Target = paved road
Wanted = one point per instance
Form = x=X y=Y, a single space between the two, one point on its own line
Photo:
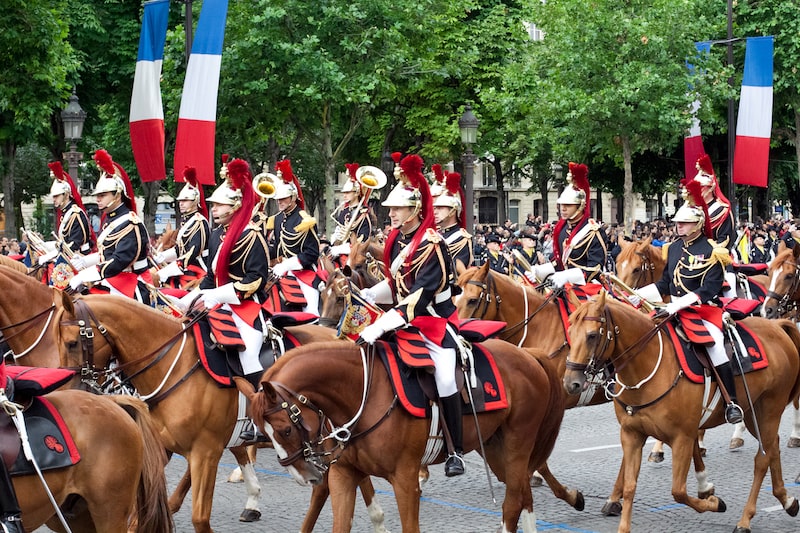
x=587 y=456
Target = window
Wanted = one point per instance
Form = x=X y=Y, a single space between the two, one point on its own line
x=487 y=210
x=488 y=178
x=513 y=211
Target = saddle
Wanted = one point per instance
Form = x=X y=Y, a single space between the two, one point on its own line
x=49 y=437
x=409 y=367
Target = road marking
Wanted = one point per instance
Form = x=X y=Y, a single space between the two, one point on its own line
x=606 y=447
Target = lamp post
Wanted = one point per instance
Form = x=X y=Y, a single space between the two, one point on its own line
x=73 y=117
x=468 y=124
x=558 y=175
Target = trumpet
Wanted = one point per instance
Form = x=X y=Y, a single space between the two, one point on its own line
x=372 y=179
x=520 y=259
x=264 y=185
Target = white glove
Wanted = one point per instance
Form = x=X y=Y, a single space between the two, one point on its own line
x=649 y=293
x=225 y=294
x=167 y=256
x=87 y=275
x=570 y=275
x=84 y=261
x=340 y=249
x=49 y=256
x=542 y=272
x=380 y=293
x=681 y=303
x=169 y=271
x=531 y=276
x=388 y=321
x=187 y=299
x=287 y=265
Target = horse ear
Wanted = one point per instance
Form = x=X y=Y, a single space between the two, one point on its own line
x=602 y=298
x=269 y=392
x=66 y=303
x=484 y=269
x=796 y=250
x=647 y=242
x=460 y=267
x=572 y=298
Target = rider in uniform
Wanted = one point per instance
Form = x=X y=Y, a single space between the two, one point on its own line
x=493 y=255
x=74 y=232
x=188 y=259
x=10 y=513
x=420 y=278
x=294 y=241
x=528 y=255
x=120 y=265
x=693 y=279
x=239 y=267
x=352 y=216
x=448 y=212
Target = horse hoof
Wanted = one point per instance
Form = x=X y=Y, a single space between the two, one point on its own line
x=655 y=457
x=580 y=502
x=794 y=442
x=797 y=479
x=250 y=515
x=721 y=507
x=703 y=452
x=736 y=443
x=738 y=529
x=793 y=508
x=611 y=509
x=536 y=480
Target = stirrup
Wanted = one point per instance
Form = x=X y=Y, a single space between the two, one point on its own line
x=455 y=465
x=11 y=524
x=733 y=413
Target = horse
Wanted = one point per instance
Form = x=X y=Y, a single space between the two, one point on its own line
x=640 y=263
x=119 y=478
x=369 y=436
x=195 y=416
x=664 y=404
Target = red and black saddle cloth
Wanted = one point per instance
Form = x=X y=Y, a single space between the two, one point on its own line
x=409 y=366
x=50 y=439
x=755 y=357
x=285 y=295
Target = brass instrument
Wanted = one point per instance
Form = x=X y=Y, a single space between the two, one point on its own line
x=647 y=306
x=520 y=259
x=371 y=178
x=264 y=185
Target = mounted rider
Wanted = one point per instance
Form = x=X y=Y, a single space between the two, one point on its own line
x=526 y=256
x=239 y=267
x=693 y=279
x=448 y=212
x=352 y=216
x=188 y=259
x=10 y=513
x=494 y=254
x=294 y=242
x=121 y=263
x=420 y=278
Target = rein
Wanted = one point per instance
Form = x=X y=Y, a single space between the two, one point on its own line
x=647 y=274
x=29 y=323
x=784 y=300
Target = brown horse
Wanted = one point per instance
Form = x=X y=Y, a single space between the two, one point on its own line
x=119 y=477
x=783 y=286
x=174 y=391
x=362 y=429
x=654 y=398
x=640 y=263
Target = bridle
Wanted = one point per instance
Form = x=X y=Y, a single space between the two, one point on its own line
x=647 y=272
x=784 y=300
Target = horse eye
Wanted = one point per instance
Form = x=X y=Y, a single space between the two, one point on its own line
x=472 y=301
x=789 y=277
x=287 y=432
x=591 y=336
x=71 y=345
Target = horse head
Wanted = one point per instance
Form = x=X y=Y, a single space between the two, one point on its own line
x=334 y=297
x=366 y=260
x=640 y=263
x=784 y=283
x=474 y=300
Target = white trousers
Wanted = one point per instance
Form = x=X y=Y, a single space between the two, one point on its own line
x=716 y=352
x=444 y=360
x=253 y=339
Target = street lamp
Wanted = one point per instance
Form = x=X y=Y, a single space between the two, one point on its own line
x=558 y=174
x=73 y=118
x=468 y=124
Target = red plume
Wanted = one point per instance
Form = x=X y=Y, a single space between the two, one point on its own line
x=396 y=157
x=704 y=164
x=225 y=158
x=56 y=169
x=240 y=178
x=190 y=177
x=580 y=178
x=454 y=187
x=239 y=173
x=437 y=173
x=104 y=161
x=412 y=167
x=695 y=190
x=351 y=169
x=285 y=168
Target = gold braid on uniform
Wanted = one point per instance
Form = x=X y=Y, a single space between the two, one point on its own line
x=697 y=269
x=239 y=254
x=583 y=246
x=720 y=253
x=293 y=239
x=422 y=255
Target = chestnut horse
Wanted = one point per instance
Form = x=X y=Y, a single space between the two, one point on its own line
x=640 y=263
x=120 y=475
x=664 y=404
x=360 y=427
x=163 y=365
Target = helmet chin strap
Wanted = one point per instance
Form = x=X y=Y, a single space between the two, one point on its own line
x=414 y=214
x=577 y=216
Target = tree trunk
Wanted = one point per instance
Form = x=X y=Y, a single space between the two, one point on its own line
x=151 y=189
x=544 y=183
x=330 y=174
x=9 y=151
x=794 y=192
x=628 y=187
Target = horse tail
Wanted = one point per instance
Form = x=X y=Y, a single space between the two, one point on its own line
x=152 y=509
x=791 y=329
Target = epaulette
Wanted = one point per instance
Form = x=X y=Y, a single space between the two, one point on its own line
x=307 y=223
x=134 y=218
x=595 y=225
x=465 y=233
x=270 y=225
x=720 y=254
x=665 y=250
x=432 y=235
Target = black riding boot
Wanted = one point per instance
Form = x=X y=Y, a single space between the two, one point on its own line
x=733 y=413
x=10 y=521
x=451 y=412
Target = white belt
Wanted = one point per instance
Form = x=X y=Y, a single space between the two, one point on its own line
x=85 y=247
x=142 y=263
x=443 y=296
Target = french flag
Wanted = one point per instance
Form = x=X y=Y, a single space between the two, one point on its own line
x=693 y=142
x=194 y=144
x=754 y=125
x=147 y=111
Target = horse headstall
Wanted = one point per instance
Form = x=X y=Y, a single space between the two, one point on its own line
x=598 y=361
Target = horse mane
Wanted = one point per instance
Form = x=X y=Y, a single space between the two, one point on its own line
x=317 y=347
x=631 y=315
x=13 y=264
x=786 y=255
x=167 y=240
x=141 y=308
x=627 y=252
x=20 y=273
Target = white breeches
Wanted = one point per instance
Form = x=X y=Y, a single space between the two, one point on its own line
x=253 y=339
x=444 y=373
x=716 y=352
x=312 y=297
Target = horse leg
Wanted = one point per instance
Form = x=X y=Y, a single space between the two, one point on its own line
x=657 y=453
x=632 y=444
x=683 y=448
x=203 y=474
x=705 y=488
x=180 y=492
x=343 y=481
x=737 y=439
x=405 y=482
x=701 y=434
x=794 y=438
x=251 y=512
x=236 y=475
x=613 y=507
x=319 y=495
x=572 y=497
x=373 y=507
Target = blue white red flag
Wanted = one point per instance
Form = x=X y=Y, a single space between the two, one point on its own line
x=147 y=110
x=194 y=144
x=754 y=124
x=693 y=142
